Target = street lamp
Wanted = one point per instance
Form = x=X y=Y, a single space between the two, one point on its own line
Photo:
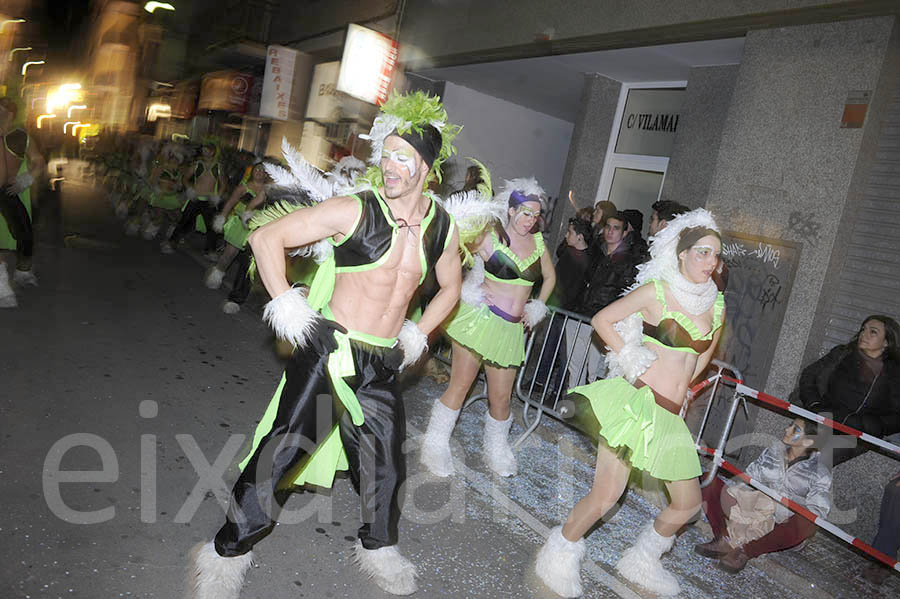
x=71 y=108
x=151 y=6
x=44 y=116
x=29 y=63
x=67 y=123
x=14 y=50
x=3 y=24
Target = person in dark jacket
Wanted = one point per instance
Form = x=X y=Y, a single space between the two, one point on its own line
x=572 y=263
x=858 y=384
x=639 y=246
x=613 y=269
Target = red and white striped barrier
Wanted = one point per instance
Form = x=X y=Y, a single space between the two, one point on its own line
x=743 y=389
x=799 y=509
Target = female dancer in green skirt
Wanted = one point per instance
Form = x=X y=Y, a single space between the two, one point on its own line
x=488 y=327
x=662 y=336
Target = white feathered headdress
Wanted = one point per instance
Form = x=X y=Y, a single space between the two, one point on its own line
x=527 y=186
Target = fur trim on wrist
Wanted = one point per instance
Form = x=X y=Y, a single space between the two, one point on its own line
x=291 y=317
x=219 y=223
x=535 y=311
x=190 y=193
x=413 y=342
x=23 y=182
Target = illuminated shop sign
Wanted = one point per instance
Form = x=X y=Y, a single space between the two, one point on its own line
x=367 y=65
x=278 y=83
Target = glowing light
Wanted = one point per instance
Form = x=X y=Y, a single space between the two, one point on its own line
x=14 y=50
x=67 y=123
x=177 y=136
x=74 y=107
x=77 y=127
x=65 y=95
x=41 y=118
x=3 y=24
x=29 y=63
x=151 y=6
x=155 y=111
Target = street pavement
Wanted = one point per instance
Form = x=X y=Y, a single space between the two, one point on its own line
x=128 y=400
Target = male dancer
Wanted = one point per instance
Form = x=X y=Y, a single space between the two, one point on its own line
x=204 y=182
x=19 y=164
x=338 y=401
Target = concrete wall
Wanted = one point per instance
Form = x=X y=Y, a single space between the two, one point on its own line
x=693 y=161
x=444 y=32
x=510 y=140
x=590 y=140
x=783 y=152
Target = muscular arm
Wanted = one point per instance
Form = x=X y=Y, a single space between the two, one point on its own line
x=448 y=271
x=549 y=275
x=36 y=163
x=641 y=299
x=301 y=227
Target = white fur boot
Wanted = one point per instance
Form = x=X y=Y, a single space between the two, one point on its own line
x=211 y=576
x=559 y=564
x=435 y=454
x=497 y=454
x=214 y=276
x=392 y=572
x=25 y=277
x=640 y=563
x=150 y=231
x=7 y=295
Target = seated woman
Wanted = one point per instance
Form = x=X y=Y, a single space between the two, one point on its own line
x=790 y=466
x=489 y=329
x=662 y=336
x=857 y=384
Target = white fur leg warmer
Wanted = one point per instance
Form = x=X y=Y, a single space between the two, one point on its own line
x=211 y=576
x=640 y=563
x=7 y=295
x=291 y=317
x=392 y=572
x=498 y=455
x=535 y=311
x=219 y=223
x=435 y=453
x=559 y=564
x=413 y=342
x=471 y=291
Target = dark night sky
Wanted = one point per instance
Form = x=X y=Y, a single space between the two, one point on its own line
x=63 y=26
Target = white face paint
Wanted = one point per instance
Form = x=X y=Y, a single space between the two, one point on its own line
x=401 y=157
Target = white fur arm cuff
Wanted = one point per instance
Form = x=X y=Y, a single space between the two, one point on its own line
x=23 y=182
x=630 y=362
x=291 y=317
x=246 y=216
x=413 y=342
x=471 y=292
x=219 y=223
x=535 y=311
x=190 y=193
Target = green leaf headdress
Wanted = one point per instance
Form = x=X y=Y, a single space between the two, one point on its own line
x=403 y=114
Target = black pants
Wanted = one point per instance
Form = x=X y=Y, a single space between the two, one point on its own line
x=189 y=217
x=19 y=223
x=242 y=283
x=307 y=412
x=887 y=539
